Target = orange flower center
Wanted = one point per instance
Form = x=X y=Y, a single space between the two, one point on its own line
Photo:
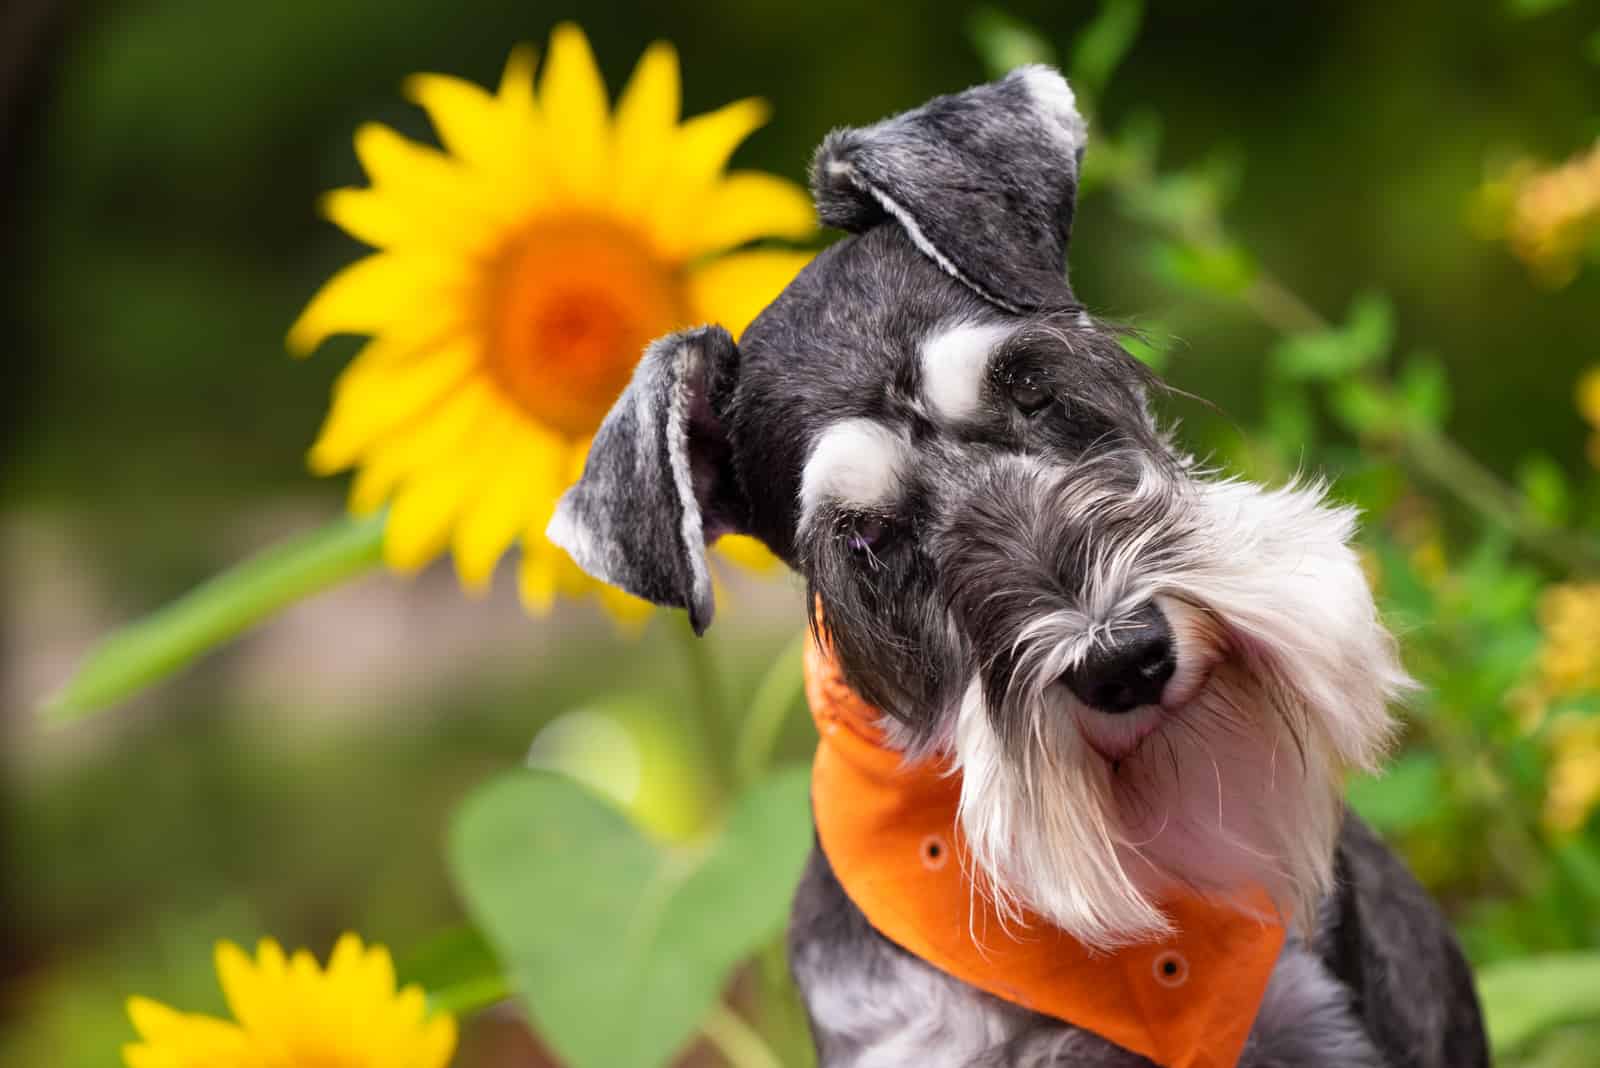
x=573 y=304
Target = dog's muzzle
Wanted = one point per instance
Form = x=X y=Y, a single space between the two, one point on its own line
x=1129 y=669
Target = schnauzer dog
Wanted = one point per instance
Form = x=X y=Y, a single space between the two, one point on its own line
x=1146 y=679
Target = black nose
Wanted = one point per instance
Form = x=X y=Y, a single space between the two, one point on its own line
x=1130 y=669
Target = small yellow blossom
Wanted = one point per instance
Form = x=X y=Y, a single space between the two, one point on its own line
x=1573 y=787
x=1569 y=658
x=289 y=1013
x=1549 y=216
x=520 y=270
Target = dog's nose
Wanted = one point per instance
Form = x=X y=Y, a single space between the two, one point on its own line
x=1131 y=669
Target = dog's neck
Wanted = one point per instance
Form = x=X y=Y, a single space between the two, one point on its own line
x=890 y=831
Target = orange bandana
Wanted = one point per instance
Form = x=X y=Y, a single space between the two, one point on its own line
x=889 y=831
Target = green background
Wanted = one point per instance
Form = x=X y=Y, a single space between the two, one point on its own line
x=163 y=159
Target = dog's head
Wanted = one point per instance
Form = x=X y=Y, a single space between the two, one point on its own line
x=1149 y=676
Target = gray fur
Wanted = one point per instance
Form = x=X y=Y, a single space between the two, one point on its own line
x=1397 y=997
x=1033 y=516
x=987 y=178
x=654 y=490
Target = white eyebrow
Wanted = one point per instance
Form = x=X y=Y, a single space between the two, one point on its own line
x=955 y=361
x=858 y=462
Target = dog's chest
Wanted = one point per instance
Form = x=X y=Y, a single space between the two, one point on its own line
x=872 y=1005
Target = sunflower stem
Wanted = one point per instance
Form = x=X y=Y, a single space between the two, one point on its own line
x=707 y=700
x=775 y=695
x=150 y=649
x=739 y=1043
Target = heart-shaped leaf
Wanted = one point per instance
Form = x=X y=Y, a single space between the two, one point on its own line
x=1524 y=998
x=617 y=944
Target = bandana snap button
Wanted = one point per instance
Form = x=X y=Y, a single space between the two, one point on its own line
x=935 y=854
x=1171 y=969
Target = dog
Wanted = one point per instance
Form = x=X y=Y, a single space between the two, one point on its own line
x=1140 y=681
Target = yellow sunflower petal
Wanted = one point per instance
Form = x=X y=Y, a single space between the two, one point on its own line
x=434 y=439
x=537 y=573
x=747 y=552
x=529 y=476
x=706 y=142
x=464 y=115
x=172 y=1039
x=700 y=152
x=151 y=1018
x=629 y=611
x=572 y=98
x=143 y=1056
x=740 y=208
x=500 y=137
x=346 y=955
x=375 y=394
x=383 y=291
x=438 y=1043
x=424 y=509
x=733 y=290
x=646 y=124
x=240 y=983
x=369 y=216
x=516 y=81
x=428 y=182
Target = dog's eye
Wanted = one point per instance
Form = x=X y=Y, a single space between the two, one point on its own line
x=1028 y=396
x=867 y=533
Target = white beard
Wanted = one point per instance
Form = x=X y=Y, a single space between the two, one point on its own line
x=1286 y=673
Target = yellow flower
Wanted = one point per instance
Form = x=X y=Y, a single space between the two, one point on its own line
x=1589 y=408
x=1569 y=658
x=1549 y=216
x=1573 y=789
x=292 y=1014
x=521 y=271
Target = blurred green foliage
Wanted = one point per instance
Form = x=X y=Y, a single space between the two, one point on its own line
x=1249 y=167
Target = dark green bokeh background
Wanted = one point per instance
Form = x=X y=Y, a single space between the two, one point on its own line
x=163 y=159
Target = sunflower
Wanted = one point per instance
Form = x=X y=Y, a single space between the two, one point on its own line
x=521 y=269
x=290 y=1014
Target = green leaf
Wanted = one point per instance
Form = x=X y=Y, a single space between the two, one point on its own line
x=458 y=969
x=1103 y=44
x=1425 y=391
x=1362 y=407
x=1523 y=999
x=1290 y=423
x=1593 y=48
x=618 y=945
x=1544 y=488
x=1320 y=355
x=1408 y=795
x=147 y=651
x=1221 y=270
x=1004 y=42
x=1177 y=200
x=1151 y=346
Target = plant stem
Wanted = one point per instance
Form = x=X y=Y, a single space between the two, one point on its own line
x=1281 y=308
x=146 y=651
x=739 y=1043
x=708 y=700
x=1443 y=462
x=1434 y=456
x=775 y=695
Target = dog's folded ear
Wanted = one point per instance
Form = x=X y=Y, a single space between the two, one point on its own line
x=983 y=181
x=658 y=486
